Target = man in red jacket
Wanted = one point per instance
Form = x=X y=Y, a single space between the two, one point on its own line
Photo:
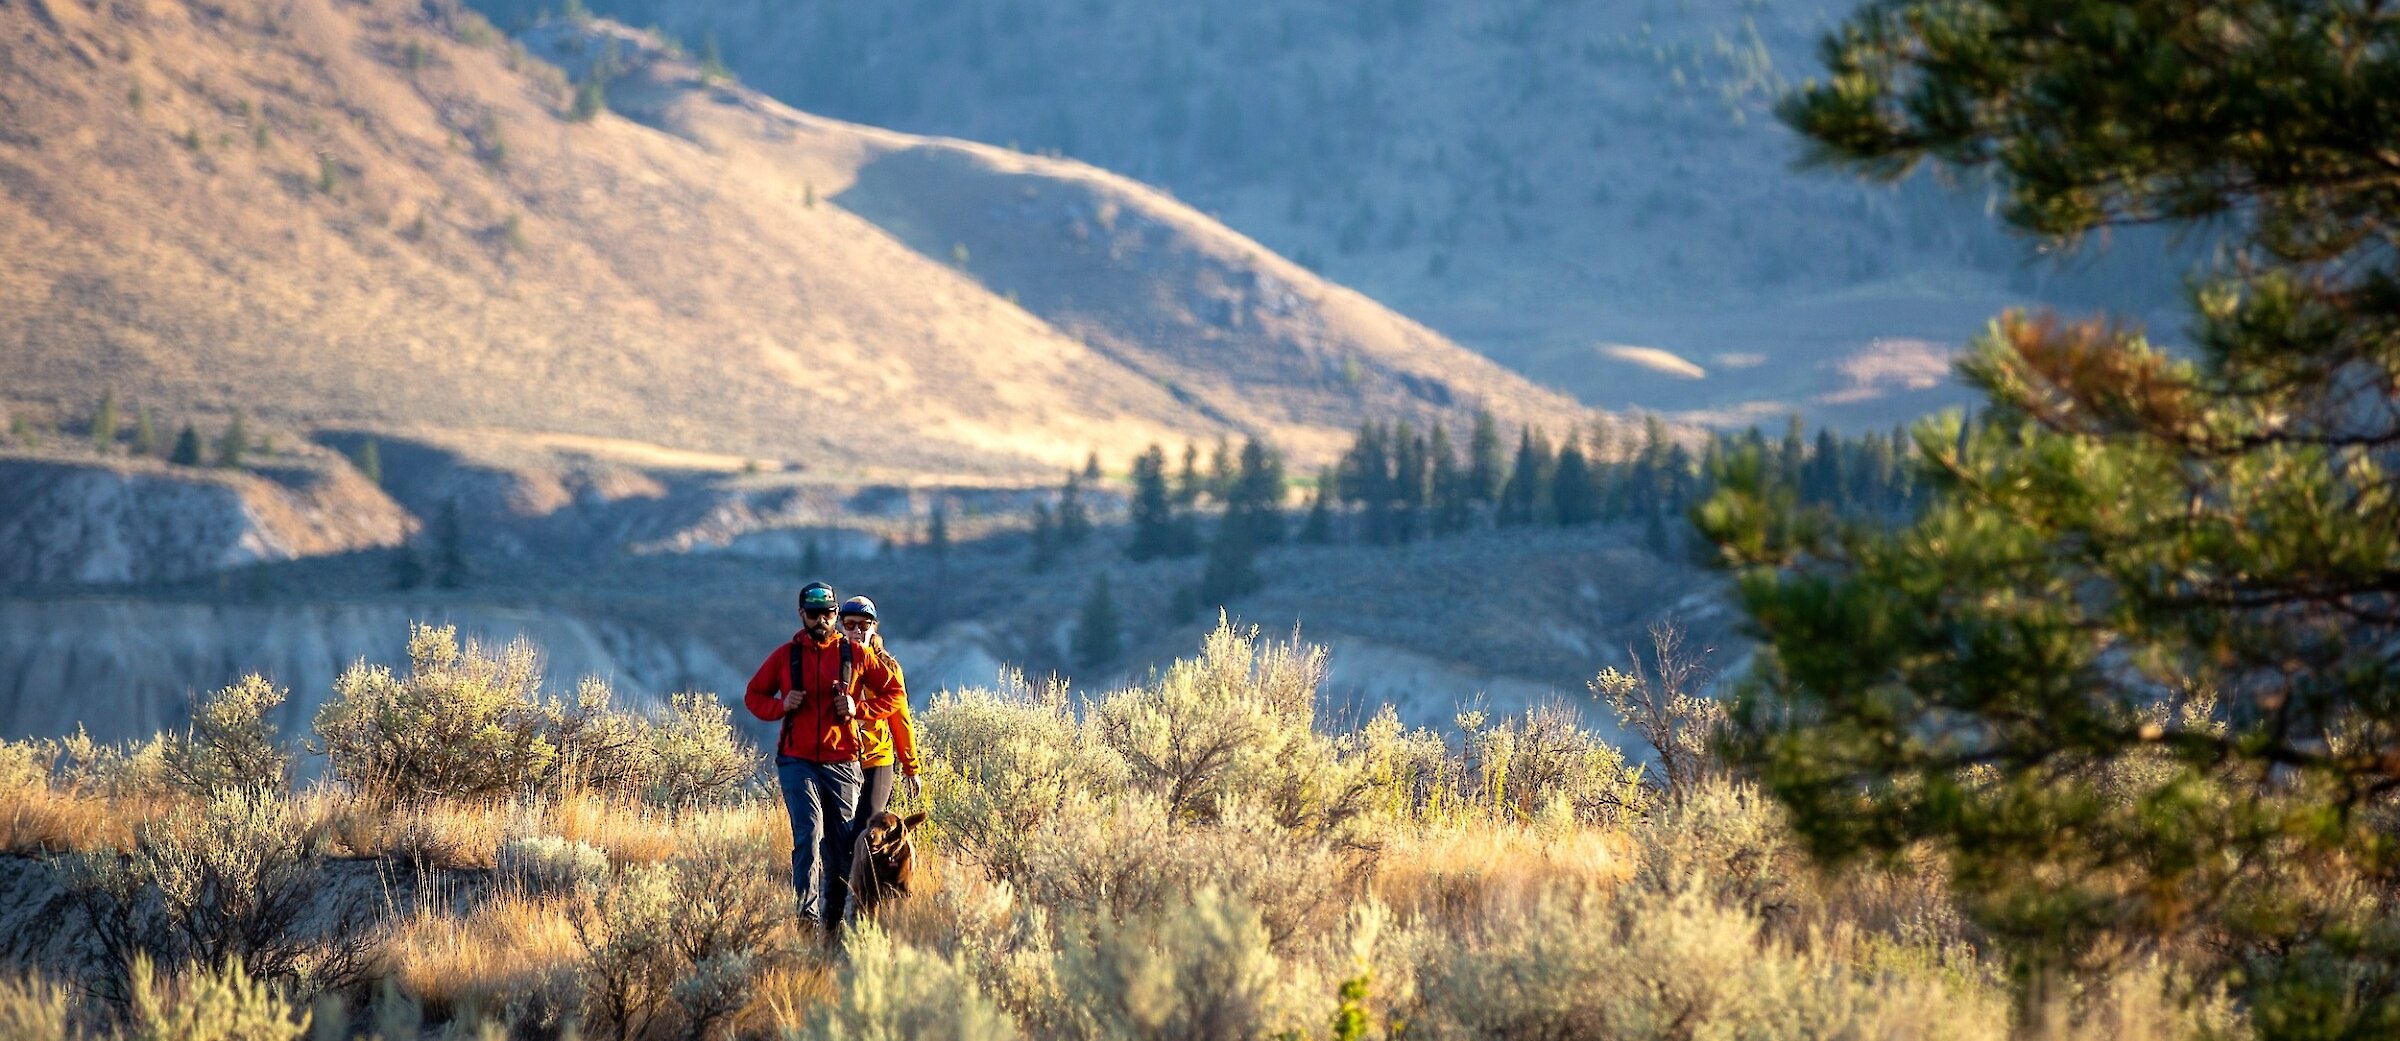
x=819 y=686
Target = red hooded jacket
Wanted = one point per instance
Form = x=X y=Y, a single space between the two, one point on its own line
x=813 y=734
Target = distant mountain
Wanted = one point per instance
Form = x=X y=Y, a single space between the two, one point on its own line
x=1538 y=179
x=383 y=216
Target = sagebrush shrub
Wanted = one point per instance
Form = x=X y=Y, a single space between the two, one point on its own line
x=1523 y=766
x=696 y=756
x=1003 y=761
x=1236 y=722
x=34 y=1009
x=232 y=742
x=1201 y=971
x=630 y=969
x=597 y=747
x=235 y=879
x=549 y=864
x=210 y=1004
x=1731 y=838
x=1647 y=964
x=1665 y=705
x=668 y=946
x=895 y=992
x=463 y=722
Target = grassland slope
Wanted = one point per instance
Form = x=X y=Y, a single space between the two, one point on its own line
x=384 y=216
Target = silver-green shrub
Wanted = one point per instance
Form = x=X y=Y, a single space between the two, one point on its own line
x=1201 y=971
x=1677 y=965
x=220 y=1004
x=549 y=864
x=232 y=742
x=34 y=1009
x=235 y=879
x=462 y=722
x=695 y=756
x=1237 y=722
x=1730 y=838
x=597 y=747
x=1003 y=761
x=670 y=946
x=469 y=722
x=895 y=992
x=1522 y=766
x=630 y=969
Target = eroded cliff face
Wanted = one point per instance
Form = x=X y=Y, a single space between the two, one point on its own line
x=127 y=669
x=133 y=521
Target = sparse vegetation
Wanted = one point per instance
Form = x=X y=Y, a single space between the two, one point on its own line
x=233 y=446
x=1189 y=857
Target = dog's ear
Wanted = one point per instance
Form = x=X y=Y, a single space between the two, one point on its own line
x=914 y=819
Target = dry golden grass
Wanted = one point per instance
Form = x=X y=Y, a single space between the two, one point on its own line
x=1458 y=872
x=51 y=820
x=781 y=997
x=454 y=834
x=510 y=944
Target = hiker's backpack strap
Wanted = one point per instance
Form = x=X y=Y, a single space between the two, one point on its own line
x=793 y=674
x=858 y=744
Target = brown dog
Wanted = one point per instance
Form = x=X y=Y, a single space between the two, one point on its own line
x=884 y=860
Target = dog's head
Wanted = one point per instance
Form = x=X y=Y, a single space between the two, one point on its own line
x=887 y=832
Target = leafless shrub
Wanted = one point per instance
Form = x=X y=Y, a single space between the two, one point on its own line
x=1664 y=705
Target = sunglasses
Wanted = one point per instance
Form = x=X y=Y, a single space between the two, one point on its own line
x=858 y=624
x=817 y=612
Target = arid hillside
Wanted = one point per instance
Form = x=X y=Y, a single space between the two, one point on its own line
x=385 y=216
x=1542 y=182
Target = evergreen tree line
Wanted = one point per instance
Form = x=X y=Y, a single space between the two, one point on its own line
x=1397 y=483
x=110 y=431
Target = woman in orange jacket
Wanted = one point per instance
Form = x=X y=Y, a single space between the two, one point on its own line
x=884 y=739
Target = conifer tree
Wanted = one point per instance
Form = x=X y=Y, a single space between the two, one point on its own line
x=409 y=569
x=1096 y=640
x=1255 y=500
x=1158 y=527
x=369 y=460
x=1317 y=529
x=1487 y=463
x=187 y=447
x=1091 y=468
x=937 y=529
x=234 y=444
x=1188 y=484
x=145 y=433
x=1411 y=482
x=1074 y=522
x=1231 y=569
x=104 y=424
x=450 y=548
x=1044 y=540
x=2128 y=666
x=1525 y=498
x=1220 y=470
x=1571 y=488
